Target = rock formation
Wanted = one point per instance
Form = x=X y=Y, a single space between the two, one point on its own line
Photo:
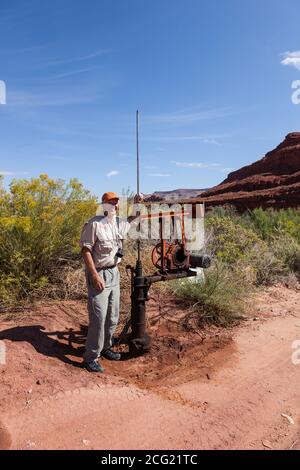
x=273 y=181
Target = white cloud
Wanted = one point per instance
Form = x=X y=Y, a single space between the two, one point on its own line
x=83 y=58
x=6 y=173
x=190 y=165
x=125 y=154
x=112 y=173
x=182 y=117
x=56 y=157
x=73 y=72
x=159 y=175
x=2 y=92
x=19 y=98
x=227 y=170
x=149 y=167
x=203 y=166
x=204 y=139
x=291 y=58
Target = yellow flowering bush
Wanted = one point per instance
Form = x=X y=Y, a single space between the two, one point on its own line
x=40 y=224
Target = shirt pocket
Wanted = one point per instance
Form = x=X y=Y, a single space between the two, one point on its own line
x=106 y=247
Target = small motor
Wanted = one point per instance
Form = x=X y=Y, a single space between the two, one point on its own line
x=173 y=257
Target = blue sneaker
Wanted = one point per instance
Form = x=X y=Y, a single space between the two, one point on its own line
x=111 y=355
x=93 y=366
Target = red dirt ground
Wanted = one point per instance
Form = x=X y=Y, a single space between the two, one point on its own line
x=215 y=389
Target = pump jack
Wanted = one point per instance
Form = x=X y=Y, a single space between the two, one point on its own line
x=172 y=260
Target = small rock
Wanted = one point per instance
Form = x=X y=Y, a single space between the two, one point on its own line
x=38 y=382
x=85 y=442
x=289 y=418
x=267 y=444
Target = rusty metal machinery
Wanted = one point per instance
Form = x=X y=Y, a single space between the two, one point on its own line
x=172 y=260
x=173 y=257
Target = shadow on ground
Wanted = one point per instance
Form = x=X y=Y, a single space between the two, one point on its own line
x=67 y=343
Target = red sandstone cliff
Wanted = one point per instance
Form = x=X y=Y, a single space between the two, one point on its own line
x=273 y=181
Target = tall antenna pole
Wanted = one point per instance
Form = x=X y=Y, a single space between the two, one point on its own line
x=137 y=155
x=138 y=175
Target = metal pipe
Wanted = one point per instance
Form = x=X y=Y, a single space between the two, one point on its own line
x=200 y=261
x=139 y=298
x=169 y=277
x=139 y=341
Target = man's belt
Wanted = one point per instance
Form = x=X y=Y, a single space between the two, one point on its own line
x=106 y=267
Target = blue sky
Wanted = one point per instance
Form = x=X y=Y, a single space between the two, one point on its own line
x=208 y=76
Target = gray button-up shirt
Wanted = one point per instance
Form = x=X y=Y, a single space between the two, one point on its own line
x=103 y=237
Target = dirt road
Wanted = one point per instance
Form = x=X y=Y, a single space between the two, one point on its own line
x=232 y=389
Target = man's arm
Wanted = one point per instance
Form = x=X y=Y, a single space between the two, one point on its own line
x=97 y=281
x=138 y=199
x=87 y=241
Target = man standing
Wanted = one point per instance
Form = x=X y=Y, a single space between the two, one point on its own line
x=101 y=248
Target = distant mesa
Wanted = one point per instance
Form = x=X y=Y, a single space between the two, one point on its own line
x=174 y=195
x=273 y=181
x=284 y=160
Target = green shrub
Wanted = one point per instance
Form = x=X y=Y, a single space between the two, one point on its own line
x=287 y=250
x=264 y=242
x=266 y=223
x=265 y=265
x=229 y=241
x=217 y=298
x=40 y=224
x=270 y=223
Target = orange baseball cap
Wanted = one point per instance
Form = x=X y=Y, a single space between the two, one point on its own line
x=109 y=196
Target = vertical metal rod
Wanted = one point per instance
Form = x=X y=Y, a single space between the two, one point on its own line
x=137 y=155
x=138 y=174
x=182 y=226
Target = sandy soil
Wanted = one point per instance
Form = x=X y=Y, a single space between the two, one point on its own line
x=215 y=389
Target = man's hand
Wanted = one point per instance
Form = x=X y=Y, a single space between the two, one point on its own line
x=98 y=282
x=138 y=198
